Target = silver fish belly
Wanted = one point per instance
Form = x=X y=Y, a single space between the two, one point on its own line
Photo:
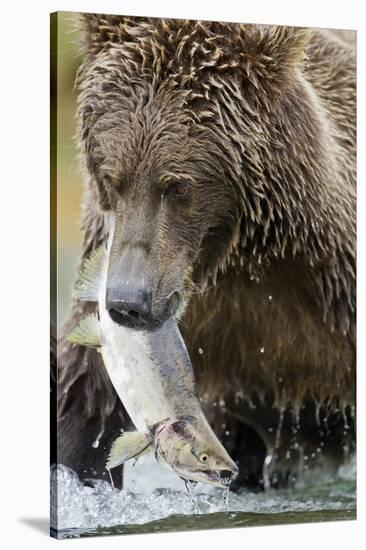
x=150 y=371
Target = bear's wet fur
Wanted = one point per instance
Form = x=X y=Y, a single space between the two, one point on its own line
x=267 y=117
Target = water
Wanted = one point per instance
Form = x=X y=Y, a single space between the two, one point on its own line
x=142 y=507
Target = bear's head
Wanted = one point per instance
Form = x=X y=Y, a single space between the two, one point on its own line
x=173 y=127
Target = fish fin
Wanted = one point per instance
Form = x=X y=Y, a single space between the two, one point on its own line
x=87 y=333
x=87 y=286
x=126 y=446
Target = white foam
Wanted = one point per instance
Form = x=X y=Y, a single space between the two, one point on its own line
x=152 y=493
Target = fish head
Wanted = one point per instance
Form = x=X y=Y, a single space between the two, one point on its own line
x=193 y=451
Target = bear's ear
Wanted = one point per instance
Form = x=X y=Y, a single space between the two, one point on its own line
x=98 y=30
x=271 y=53
x=286 y=45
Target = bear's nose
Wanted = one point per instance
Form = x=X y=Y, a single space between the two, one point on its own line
x=129 y=305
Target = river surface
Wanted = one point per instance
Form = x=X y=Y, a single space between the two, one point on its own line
x=153 y=500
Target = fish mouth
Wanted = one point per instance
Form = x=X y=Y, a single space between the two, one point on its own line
x=217 y=478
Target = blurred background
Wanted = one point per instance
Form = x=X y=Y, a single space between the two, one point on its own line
x=69 y=177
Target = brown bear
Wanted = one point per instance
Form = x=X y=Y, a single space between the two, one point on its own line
x=227 y=153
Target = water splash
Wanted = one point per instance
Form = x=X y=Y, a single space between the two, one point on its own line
x=111 y=478
x=190 y=487
x=225 y=499
x=279 y=427
x=83 y=508
x=266 y=472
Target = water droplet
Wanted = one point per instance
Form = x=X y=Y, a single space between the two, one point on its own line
x=200 y=351
x=190 y=486
x=265 y=472
x=270 y=298
x=262 y=350
x=226 y=499
x=95 y=443
x=238 y=397
x=111 y=478
x=279 y=427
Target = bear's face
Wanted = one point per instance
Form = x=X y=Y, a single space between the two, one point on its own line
x=163 y=177
x=178 y=124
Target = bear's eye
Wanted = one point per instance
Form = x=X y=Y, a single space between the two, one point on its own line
x=203 y=457
x=181 y=188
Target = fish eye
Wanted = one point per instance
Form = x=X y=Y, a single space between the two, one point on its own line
x=203 y=457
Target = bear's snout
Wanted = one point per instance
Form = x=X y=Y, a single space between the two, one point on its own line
x=128 y=295
x=129 y=303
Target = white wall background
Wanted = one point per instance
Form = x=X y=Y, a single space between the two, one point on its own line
x=24 y=268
